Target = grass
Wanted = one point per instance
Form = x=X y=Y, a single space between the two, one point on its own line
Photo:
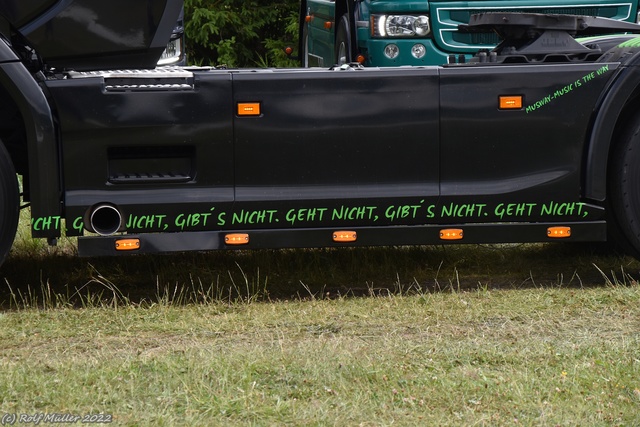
x=531 y=335
x=506 y=357
x=37 y=278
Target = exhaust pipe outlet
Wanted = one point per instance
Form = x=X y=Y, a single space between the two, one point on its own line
x=104 y=219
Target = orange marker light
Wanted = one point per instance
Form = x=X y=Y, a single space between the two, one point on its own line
x=513 y=102
x=127 y=244
x=345 y=236
x=328 y=25
x=360 y=59
x=236 y=239
x=249 y=109
x=308 y=18
x=559 y=232
x=451 y=234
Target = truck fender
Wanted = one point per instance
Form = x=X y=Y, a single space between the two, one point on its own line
x=615 y=107
x=44 y=172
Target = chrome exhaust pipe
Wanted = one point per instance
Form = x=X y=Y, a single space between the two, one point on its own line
x=104 y=219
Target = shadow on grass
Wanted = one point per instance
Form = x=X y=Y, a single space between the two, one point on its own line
x=32 y=279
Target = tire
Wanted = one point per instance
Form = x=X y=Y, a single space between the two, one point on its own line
x=343 y=46
x=9 y=203
x=624 y=190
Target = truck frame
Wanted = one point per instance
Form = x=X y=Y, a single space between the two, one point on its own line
x=534 y=141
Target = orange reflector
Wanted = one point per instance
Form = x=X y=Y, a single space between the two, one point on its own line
x=360 y=59
x=559 y=232
x=127 y=244
x=308 y=18
x=344 y=236
x=511 y=102
x=451 y=234
x=236 y=239
x=328 y=25
x=248 y=108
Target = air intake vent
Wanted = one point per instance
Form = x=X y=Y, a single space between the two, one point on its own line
x=146 y=165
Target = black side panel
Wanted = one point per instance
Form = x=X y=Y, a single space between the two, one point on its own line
x=523 y=164
x=159 y=154
x=337 y=148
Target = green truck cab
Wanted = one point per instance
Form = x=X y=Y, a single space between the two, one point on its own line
x=388 y=33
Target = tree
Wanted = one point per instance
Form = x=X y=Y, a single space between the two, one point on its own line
x=241 y=33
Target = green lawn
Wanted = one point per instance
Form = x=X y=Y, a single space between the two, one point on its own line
x=536 y=356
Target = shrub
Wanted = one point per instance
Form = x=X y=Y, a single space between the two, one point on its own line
x=241 y=33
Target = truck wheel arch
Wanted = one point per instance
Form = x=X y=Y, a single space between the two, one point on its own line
x=9 y=203
x=619 y=106
x=624 y=187
x=44 y=173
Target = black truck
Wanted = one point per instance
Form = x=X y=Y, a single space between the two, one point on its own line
x=536 y=140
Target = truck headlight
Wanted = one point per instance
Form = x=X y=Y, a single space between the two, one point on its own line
x=173 y=53
x=400 y=26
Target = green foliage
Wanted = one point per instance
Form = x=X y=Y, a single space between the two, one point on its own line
x=241 y=33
